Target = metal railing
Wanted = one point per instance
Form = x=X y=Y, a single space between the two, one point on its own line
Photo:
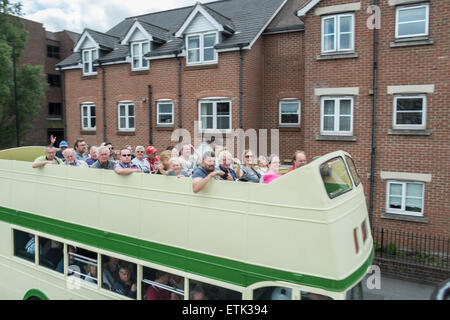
x=412 y=248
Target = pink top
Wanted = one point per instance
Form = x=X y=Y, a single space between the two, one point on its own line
x=269 y=177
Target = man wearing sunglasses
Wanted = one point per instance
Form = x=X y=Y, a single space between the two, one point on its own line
x=125 y=167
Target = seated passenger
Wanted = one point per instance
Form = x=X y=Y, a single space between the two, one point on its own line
x=54 y=254
x=225 y=159
x=198 y=293
x=92 y=274
x=157 y=293
x=124 y=167
x=247 y=172
x=175 y=169
x=63 y=145
x=93 y=156
x=298 y=160
x=125 y=285
x=205 y=172
x=163 y=166
x=189 y=159
x=151 y=158
x=30 y=246
x=49 y=158
x=80 y=148
x=111 y=272
x=103 y=162
x=272 y=173
x=69 y=155
x=140 y=161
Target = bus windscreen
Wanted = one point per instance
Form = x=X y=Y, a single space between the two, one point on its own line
x=335 y=177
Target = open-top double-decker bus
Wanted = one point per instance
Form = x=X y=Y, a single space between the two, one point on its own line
x=68 y=233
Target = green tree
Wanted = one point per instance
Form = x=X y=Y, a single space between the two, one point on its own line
x=31 y=85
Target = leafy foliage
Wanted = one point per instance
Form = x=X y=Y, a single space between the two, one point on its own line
x=30 y=80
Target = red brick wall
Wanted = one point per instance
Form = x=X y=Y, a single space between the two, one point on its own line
x=397 y=66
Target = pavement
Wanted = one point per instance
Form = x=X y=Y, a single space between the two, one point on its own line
x=395 y=289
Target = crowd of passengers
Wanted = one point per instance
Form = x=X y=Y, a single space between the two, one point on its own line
x=202 y=164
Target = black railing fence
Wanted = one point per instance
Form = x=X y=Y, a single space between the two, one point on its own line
x=412 y=248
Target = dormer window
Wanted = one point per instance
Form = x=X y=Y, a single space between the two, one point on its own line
x=89 y=56
x=138 y=50
x=200 y=48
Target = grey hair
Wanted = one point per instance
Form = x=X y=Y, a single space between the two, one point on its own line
x=139 y=148
x=103 y=148
x=67 y=151
x=95 y=149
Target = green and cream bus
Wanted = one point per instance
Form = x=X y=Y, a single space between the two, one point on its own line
x=67 y=233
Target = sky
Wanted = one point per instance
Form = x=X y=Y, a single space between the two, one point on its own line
x=100 y=15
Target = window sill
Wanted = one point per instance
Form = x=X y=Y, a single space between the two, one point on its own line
x=126 y=133
x=139 y=72
x=404 y=217
x=54 y=118
x=408 y=42
x=165 y=128
x=409 y=132
x=334 y=56
x=322 y=137
x=288 y=128
x=201 y=66
x=88 y=76
x=88 y=132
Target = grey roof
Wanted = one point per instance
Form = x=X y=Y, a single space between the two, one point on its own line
x=245 y=17
x=51 y=36
x=73 y=35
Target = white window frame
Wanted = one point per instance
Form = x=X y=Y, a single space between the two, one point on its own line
x=427 y=21
x=289 y=100
x=403 y=206
x=202 y=49
x=337 y=33
x=90 y=61
x=88 y=116
x=140 y=55
x=214 y=101
x=158 y=113
x=337 y=108
x=127 y=104
x=410 y=126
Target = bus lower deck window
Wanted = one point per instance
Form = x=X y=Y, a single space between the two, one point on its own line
x=161 y=285
x=24 y=245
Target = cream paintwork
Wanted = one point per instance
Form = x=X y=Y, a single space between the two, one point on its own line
x=282 y=225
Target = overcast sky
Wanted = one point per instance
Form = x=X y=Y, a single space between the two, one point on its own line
x=100 y=15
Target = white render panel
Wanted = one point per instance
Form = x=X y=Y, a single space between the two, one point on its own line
x=200 y=24
x=354 y=91
x=399 y=2
x=138 y=36
x=421 y=177
x=88 y=44
x=426 y=88
x=355 y=6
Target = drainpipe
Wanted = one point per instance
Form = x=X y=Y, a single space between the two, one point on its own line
x=63 y=102
x=374 y=120
x=103 y=100
x=150 y=123
x=240 y=84
x=180 y=122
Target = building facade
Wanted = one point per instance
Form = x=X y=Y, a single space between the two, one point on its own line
x=47 y=48
x=314 y=70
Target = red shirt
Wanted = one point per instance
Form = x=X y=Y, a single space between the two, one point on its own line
x=292 y=168
x=155 y=293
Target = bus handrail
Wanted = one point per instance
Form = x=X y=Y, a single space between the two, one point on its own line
x=163 y=286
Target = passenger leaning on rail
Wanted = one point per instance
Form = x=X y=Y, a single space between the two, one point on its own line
x=125 y=167
x=298 y=160
x=69 y=155
x=163 y=166
x=225 y=159
x=103 y=162
x=140 y=161
x=49 y=158
x=205 y=172
x=274 y=166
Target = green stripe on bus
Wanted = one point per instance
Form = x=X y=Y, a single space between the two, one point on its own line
x=234 y=272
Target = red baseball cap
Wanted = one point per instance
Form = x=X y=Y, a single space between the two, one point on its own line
x=151 y=149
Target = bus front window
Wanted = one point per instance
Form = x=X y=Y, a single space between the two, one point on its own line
x=335 y=177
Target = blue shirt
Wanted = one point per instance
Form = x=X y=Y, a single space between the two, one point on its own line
x=200 y=172
x=229 y=171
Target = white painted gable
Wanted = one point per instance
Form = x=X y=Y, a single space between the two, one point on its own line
x=88 y=44
x=200 y=24
x=137 y=36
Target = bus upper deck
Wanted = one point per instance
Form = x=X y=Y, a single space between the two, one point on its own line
x=308 y=227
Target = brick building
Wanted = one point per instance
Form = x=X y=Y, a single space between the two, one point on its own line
x=304 y=67
x=47 y=49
